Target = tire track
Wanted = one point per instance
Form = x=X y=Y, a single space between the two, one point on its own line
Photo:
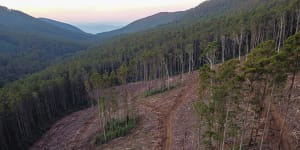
x=179 y=100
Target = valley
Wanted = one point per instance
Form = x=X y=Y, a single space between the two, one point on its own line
x=221 y=75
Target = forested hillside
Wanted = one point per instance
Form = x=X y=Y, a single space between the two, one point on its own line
x=14 y=20
x=28 y=106
x=63 y=25
x=236 y=99
x=143 y=24
x=205 y=11
x=29 y=44
x=21 y=56
x=213 y=8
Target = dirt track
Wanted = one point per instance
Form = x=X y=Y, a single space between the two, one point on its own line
x=166 y=121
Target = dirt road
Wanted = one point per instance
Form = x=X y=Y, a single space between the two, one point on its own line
x=166 y=121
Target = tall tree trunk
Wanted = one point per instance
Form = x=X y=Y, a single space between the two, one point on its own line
x=225 y=128
x=182 y=66
x=190 y=61
x=290 y=91
x=167 y=73
x=274 y=31
x=189 y=64
x=247 y=45
x=223 y=48
x=280 y=33
x=210 y=60
x=267 y=119
x=298 y=19
x=240 y=43
x=244 y=126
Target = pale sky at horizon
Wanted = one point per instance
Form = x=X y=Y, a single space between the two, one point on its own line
x=96 y=11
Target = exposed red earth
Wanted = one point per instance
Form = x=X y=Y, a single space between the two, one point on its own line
x=166 y=121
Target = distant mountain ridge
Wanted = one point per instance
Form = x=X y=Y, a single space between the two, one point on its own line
x=214 y=8
x=144 y=24
x=20 y=32
x=20 y=22
x=205 y=10
x=62 y=25
x=30 y=44
x=40 y=37
x=31 y=105
x=96 y=28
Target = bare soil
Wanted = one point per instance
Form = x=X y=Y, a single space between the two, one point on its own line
x=166 y=121
x=284 y=125
x=286 y=117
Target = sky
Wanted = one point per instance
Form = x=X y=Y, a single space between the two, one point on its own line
x=114 y=13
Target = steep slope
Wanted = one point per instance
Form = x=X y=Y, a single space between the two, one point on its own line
x=215 y=8
x=62 y=25
x=28 y=44
x=158 y=52
x=17 y=21
x=160 y=121
x=151 y=21
x=144 y=24
x=204 y=11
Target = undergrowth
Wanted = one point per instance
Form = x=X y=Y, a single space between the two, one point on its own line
x=159 y=90
x=115 y=129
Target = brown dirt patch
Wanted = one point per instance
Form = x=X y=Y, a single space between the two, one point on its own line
x=166 y=121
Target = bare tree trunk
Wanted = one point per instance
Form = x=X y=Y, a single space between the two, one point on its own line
x=168 y=75
x=244 y=126
x=193 y=62
x=287 y=110
x=234 y=141
x=223 y=48
x=298 y=20
x=235 y=41
x=210 y=61
x=182 y=66
x=225 y=128
x=240 y=44
x=274 y=31
x=199 y=136
x=267 y=119
x=190 y=61
x=189 y=64
x=247 y=46
x=145 y=78
x=252 y=39
x=281 y=33
x=284 y=32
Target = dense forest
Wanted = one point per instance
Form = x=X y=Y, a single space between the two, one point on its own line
x=28 y=54
x=29 y=44
x=29 y=106
x=229 y=93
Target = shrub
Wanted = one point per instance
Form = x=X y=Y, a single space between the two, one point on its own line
x=115 y=129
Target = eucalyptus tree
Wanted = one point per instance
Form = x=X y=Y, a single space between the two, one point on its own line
x=210 y=53
x=122 y=74
x=204 y=106
x=189 y=48
x=228 y=92
x=256 y=72
x=289 y=56
x=264 y=69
